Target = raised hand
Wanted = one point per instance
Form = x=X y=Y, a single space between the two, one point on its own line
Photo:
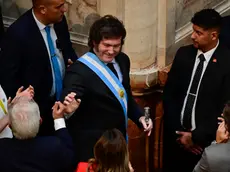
x=58 y=110
x=28 y=92
x=71 y=103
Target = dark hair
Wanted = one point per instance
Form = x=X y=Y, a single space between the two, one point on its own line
x=226 y=115
x=106 y=27
x=111 y=153
x=207 y=19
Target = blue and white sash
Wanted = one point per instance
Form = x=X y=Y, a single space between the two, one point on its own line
x=108 y=77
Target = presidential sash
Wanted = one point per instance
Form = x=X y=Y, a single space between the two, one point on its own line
x=109 y=78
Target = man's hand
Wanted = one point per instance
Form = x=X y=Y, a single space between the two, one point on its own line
x=71 y=103
x=130 y=167
x=29 y=92
x=222 y=134
x=58 y=110
x=4 y=122
x=147 y=126
x=185 y=140
x=69 y=62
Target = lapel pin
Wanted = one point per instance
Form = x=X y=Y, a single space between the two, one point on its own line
x=214 y=60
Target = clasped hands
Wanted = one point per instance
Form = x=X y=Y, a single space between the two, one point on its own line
x=69 y=105
x=185 y=140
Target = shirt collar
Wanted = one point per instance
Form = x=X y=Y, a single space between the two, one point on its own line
x=208 y=54
x=40 y=25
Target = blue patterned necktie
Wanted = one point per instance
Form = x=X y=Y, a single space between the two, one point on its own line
x=55 y=64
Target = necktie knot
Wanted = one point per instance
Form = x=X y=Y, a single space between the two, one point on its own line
x=201 y=57
x=47 y=29
x=111 y=67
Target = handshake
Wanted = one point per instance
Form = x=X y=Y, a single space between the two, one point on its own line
x=69 y=106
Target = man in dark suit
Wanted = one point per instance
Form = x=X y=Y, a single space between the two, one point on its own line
x=224 y=31
x=35 y=52
x=27 y=152
x=198 y=85
x=1 y=24
x=103 y=87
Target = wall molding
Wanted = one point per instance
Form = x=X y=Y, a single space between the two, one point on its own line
x=186 y=30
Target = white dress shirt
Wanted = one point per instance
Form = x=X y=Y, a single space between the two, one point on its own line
x=207 y=56
x=59 y=124
x=118 y=70
x=61 y=62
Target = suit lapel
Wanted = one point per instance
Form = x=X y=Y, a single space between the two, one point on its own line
x=40 y=43
x=188 y=65
x=211 y=71
x=38 y=37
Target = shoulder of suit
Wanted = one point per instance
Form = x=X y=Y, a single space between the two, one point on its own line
x=214 y=148
x=78 y=68
x=123 y=57
x=22 y=21
x=187 y=48
x=52 y=140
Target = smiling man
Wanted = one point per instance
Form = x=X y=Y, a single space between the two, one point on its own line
x=100 y=78
x=198 y=85
x=35 y=51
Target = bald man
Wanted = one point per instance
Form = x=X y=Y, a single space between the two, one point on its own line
x=36 y=51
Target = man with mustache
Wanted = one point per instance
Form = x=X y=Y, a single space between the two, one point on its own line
x=197 y=88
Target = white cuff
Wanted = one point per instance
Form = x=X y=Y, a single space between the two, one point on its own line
x=59 y=123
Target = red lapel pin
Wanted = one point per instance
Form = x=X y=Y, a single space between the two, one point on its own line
x=214 y=60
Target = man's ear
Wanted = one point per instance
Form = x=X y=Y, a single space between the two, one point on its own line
x=42 y=9
x=94 y=43
x=215 y=35
x=40 y=121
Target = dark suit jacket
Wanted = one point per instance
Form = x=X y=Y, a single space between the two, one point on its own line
x=213 y=93
x=1 y=25
x=41 y=154
x=225 y=31
x=25 y=61
x=99 y=109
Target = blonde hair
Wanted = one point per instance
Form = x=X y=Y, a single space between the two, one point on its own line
x=111 y=153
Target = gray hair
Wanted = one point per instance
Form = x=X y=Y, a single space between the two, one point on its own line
x=24 y=117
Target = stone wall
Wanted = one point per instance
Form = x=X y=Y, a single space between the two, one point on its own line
x=184 y=10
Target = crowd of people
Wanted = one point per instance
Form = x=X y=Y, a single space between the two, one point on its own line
x=61 y=112
x=73 y=108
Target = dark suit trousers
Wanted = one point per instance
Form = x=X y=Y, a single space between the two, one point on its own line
x=175 y=158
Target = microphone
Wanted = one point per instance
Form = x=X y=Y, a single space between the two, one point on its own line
x=58 y=44
x=147 y=114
